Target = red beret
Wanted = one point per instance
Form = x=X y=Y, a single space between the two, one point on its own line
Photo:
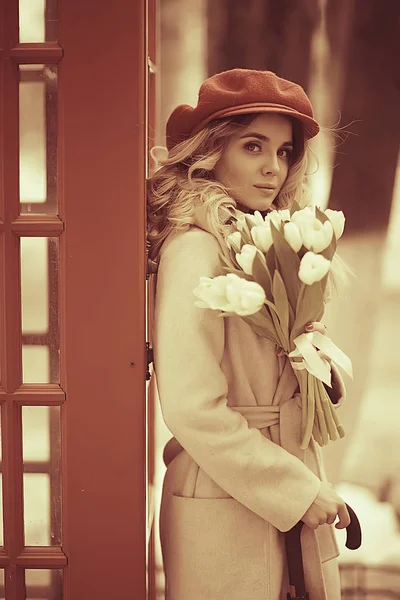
x=237 y=92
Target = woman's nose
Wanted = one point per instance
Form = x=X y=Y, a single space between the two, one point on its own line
x=271 y=166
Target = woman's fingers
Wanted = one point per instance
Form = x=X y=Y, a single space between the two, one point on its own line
x=331 y=519
x=344 y=517
x=315 y=326
x=312 y=326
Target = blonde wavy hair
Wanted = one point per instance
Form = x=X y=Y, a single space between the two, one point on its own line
x=185 y=178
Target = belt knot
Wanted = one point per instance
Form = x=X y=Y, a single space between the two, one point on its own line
x=259 y=417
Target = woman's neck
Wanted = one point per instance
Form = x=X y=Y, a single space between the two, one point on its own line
x=245 y=209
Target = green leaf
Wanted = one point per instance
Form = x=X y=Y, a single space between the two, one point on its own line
x=263 y=320
x=331 y=249
x=225 y=262
x=270 y=259
x=262 y=275
x=283 y=340
x=271 y=306
x=261 y=331
x=303 y=250
x=291 y=317
x=281 y=302
x=246 y=237
x=294 y=208
x=237 y=272
x=268 y=317
x=249 y=222
x=289 y=264
x=233 y=256
x=310 y=303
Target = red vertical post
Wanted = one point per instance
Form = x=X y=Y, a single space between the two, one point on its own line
x=102 y=137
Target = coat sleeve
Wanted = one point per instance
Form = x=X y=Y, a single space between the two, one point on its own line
x=188 y=346
x=337 y=393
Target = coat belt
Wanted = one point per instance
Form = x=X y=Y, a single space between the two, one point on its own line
x=284 y=420
x=259 y=417
x=287 y=416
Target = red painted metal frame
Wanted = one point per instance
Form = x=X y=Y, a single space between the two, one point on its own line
x=152 y=124
x=102 y=131
x=102 y=140
x=152 y=32
x=15 y=557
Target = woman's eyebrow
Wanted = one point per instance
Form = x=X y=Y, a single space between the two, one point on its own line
x=263 y=138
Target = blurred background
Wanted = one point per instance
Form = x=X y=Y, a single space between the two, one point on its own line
x=345 y=53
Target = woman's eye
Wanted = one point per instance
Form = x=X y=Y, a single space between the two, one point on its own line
x=285 y=152
x=253 y=146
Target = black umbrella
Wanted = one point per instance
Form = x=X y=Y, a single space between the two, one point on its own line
x=295 y=558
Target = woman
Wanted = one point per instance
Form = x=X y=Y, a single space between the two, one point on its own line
x=236 y=477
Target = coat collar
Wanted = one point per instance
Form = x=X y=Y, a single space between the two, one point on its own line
x=202 y=218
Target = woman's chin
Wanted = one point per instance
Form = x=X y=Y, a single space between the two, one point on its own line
x=251 y=207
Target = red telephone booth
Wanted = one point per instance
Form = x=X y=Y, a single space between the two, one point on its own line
x=76 y=102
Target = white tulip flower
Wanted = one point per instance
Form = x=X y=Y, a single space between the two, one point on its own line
x=292 y=236
x=245 y=258
x=245 y=297
x=277 y=217
x=305 y=215
x=337 y=219
x=284 y=214
x=234 y=241
x=313 y=267
x=262 y=237
x=316 y=235
x=255 y=219
x=212 y=293
x=258 y=218
x=230 y=293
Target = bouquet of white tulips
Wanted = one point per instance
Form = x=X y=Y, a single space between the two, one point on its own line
x=276 y=281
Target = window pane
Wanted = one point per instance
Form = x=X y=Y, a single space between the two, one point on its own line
x=36 y=433
x=37 y=509
x=41 y=457
x=35 y=364
x=34 y=285
x=38 y=20
x=39 y=309
x=2 y=592
x=43 y=584
x=38 y=138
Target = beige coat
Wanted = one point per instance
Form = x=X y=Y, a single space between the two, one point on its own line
x=242 y=478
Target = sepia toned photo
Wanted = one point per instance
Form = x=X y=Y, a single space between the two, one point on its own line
x=199 y=300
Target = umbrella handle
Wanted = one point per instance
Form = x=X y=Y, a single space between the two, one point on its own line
x=294 y=554
x=353 y=531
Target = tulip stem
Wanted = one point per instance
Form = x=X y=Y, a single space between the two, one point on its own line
x=321 y=415
x=335 y=417
x=282 y=342
x=300 y=377
x=332 y=430
x=309 y=399
x=316 y=434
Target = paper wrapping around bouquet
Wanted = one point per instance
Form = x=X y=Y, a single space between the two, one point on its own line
x=316 y=351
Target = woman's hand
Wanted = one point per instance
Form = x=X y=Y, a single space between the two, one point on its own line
x=310 y=327
x=326 y=507
x=315 y=326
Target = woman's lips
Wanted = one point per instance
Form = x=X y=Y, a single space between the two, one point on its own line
x=265 y=190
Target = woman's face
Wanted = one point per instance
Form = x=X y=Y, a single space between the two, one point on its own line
x=255 y=162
